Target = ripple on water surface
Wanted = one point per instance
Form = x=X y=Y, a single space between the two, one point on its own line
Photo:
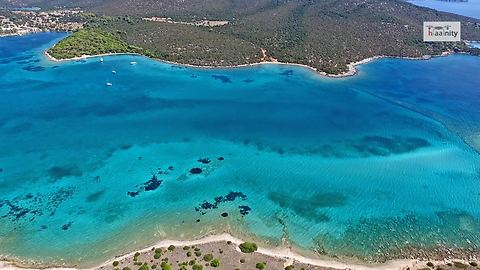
x=360 y=167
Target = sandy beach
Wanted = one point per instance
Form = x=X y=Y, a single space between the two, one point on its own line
x=225 y=246
x=352 y=70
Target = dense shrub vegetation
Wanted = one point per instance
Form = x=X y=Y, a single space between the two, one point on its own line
x=324 y=34
x=91 y=41
x=248 y=247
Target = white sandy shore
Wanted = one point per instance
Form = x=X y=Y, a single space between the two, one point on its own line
x=352 y=70
x=283 y=253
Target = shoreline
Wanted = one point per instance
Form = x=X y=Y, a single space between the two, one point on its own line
x=285 y=254
x=281 y=253
x=352 y=67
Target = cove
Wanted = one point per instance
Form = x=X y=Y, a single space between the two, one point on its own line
x=375 y=166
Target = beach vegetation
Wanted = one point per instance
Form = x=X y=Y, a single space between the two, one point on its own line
x=197 y=267
x=154 y=266
x=91 y=41
x=192 y=262
x=166 y=266
x=171 y=248
x=208 y=257
x=157 y=256
x=144 y=267
x=196 y=249
x=215 y=263
x=115 y=263
x=248 y=247
x=460 y=265
x=198 y=253
x=189 y=254
x=186 y=248
x=260 y=265
x=126 y=268
x=290 y=267
x=158 y=250
x=474 y=264
x=430 y=264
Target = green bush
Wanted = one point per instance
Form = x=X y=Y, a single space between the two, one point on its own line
x=153 y=266
x=290 y=267
x=215 y=263
x=208 y=257
x=198 y=253
x=186 y=248
x=260 y=265
x=126 y=268
x=144 y=267
x=197 y=267
x=171 y=247
x=115 y=263
x=166 y=266
x=158 y=250
x=248 y=247
x=430 y=264
x=157 y=256
x=189 y=254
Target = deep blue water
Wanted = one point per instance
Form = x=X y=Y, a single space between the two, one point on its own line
x=471 y=8
x=358 y=166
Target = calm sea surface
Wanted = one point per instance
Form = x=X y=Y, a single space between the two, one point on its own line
x=358 y=166
x=471 y=8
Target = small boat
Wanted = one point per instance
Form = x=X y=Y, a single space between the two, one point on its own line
x=109 y=84
x=101 y=59
x=114 y=72
x=133 y=63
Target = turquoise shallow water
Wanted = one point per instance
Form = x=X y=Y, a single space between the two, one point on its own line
x=359 y=166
